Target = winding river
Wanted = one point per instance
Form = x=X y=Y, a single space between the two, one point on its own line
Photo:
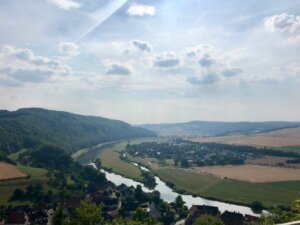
x=169 y=195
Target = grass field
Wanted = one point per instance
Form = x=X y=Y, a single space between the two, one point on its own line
x=286 y=138
x=190 y=181
x=246 y=192
x=110 y=159
x=9 y=171
x=289 y=148
x=36 y=176
x=270 y=194
x=295 y=185
x=15 y=156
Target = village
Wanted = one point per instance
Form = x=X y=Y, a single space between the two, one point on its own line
x=118 y=201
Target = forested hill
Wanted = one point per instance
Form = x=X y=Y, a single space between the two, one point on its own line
x=31 y=126
x=208 y=128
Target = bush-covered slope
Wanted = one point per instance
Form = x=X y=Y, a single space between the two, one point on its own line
x=29 y=127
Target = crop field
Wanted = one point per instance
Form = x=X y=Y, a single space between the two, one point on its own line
x=252 y=173
x=270 y=194
x=9 y=171
x=281 y=138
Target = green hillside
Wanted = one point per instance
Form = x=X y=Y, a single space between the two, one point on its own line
x=29 y=127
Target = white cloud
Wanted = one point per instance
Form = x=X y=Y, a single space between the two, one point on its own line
x=206 y=61
x=286 y=24
x=141 y=10
x=231 y=72
x=208 y=79
x=118 y=69
x=167 y=60
x=24 y=66
x=142 y=45
x=65 y=4
x=69 y=49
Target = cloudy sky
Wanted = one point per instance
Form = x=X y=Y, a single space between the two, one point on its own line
x=151 y=61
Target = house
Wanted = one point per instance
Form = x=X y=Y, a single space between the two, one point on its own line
x=154 y=211
x=39 y=217
x=17 y=218
x=249 y=219
x=201 y=210
x=232 y=218
x=70 y=206
x=108 y=187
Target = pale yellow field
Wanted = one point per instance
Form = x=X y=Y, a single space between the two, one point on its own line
x=8 y=171
x=252 y=173
x=285 y=137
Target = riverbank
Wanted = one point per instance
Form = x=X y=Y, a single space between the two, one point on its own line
x=168 y=195
x=205 y=185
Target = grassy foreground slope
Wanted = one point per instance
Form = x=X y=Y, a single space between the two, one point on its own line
x=28 y=127
x=36 y=176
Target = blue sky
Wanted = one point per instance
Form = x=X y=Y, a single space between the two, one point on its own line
x=153 y=61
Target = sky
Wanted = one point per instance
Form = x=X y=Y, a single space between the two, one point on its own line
x=153 y=61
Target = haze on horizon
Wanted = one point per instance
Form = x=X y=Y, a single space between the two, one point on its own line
x=153 y=61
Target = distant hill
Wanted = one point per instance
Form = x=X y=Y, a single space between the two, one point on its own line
x=207 y=128
x=31 y=126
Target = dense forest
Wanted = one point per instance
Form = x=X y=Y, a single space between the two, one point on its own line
x=30 y=127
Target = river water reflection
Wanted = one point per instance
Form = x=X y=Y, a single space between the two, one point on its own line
x=169 y=195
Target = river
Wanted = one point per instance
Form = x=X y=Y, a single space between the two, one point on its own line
x=168 y=195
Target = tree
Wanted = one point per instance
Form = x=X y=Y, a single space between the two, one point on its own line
x=142 y=216
x=155 y=197
x=18 y=195
x=98 y=163
x=296 y=205
x=208 y=220
x=139 y=194
x=176 y=162
x=58 y=217
x=179 y=202
x=257 y=206
x=88 y=213
x=184 y=163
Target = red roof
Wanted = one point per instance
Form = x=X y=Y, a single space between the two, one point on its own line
x=16 y=218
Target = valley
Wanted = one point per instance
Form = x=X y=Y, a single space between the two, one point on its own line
x=231 y=184
x=232 y=176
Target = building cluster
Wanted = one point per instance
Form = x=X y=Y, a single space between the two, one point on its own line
x=116 y=201
x=228 y=218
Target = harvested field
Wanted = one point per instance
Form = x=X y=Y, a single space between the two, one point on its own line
x=8 y=172
x=285 y=137
x=252 y=173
